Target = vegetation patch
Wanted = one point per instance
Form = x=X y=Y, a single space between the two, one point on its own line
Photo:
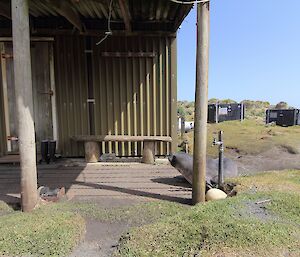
x=134 y=215
x=282 y=181
x=4 y=208
x=260 y=221
x=250 y=137
x=43 y=232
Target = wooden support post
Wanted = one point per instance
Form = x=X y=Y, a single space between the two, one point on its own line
x=24 y=101
x=201 y=103
x=149 y=152
x=92 y=151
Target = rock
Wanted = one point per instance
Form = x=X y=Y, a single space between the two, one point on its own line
x=215 y=194
x=108 y=157
x=48 y=195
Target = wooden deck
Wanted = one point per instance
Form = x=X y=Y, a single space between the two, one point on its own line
x=103 y=180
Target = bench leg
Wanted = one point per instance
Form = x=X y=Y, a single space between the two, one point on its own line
x=149 y=152
x=92 y=152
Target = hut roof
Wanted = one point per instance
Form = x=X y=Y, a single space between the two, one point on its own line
x=84 y=15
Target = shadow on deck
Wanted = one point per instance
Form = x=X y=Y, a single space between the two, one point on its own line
x=102 y=180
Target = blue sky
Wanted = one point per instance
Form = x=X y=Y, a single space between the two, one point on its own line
x=254 y=51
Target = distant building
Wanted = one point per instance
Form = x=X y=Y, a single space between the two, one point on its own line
x=284 y=117
x=225 y=112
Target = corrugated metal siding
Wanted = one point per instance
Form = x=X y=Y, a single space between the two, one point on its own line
x=2 y=120
x=71 y=90
x=160 y=10
x=133 y=94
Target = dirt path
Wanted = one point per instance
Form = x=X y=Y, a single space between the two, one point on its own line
x=101 y=239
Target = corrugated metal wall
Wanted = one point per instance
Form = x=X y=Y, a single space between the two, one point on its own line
x=71 y=92
x=134 y=86
x=134 y=90
x=2 y=120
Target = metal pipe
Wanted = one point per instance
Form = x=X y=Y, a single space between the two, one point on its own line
x=201 y=103
x=221 y=160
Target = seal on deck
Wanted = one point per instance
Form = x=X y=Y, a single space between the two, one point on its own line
x=183 y=162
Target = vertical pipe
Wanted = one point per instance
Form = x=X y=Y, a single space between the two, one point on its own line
x=24 y=100
x=167 y=97
x=217 y=112
x=173 y=61
x=182 y=126
x=53 y=97
x=201 y=103
x=90 y=84
x=221 y=157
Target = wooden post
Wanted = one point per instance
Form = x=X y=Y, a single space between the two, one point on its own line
x=201 y=103
x=24 y=101
x=92 y=151
x=149 y=152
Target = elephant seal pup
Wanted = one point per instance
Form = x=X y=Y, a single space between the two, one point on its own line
x=183 y=162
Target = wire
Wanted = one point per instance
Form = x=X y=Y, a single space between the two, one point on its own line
x=189 y=2
x=109 y=31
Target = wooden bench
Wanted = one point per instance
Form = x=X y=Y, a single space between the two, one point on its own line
x=92 y=148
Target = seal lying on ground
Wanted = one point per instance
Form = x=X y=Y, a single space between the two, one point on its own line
x=183 y=162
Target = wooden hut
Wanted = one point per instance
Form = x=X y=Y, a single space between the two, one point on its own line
x=126 y=85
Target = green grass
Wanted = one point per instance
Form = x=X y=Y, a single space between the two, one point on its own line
x=55 y=229
x=233 y=227
x=251 y=137
x=287 y=181
x=44 y=232
x=135 y=215
x=4 y=208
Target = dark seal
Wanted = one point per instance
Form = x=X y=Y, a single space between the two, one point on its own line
x=183 y=162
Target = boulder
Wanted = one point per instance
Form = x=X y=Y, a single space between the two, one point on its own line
x=215 y=194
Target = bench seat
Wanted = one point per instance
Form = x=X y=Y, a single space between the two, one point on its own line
x=92 y=148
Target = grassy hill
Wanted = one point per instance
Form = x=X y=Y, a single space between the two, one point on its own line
x=254 y=109
x=250 y=137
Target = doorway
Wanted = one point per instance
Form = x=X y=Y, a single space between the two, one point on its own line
x=42 y=89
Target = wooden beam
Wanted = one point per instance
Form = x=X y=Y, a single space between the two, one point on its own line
x=201 y=103
x=64 y=9
x=126 y=14
x=24 y=102
x=32 y=39
x=99 y=33
x=5 y=11
x=120 y=138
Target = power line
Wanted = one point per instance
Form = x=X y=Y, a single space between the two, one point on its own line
x=109 y=31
